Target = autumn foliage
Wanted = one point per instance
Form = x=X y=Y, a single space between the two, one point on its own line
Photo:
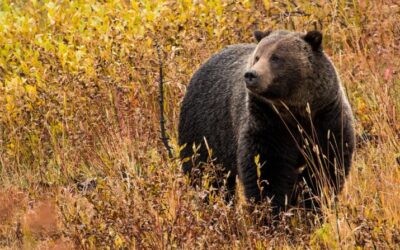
x=81 y=160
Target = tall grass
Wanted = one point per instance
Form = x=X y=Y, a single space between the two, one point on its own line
x=81 y=161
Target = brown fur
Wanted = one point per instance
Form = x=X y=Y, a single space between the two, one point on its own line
x=251 y=100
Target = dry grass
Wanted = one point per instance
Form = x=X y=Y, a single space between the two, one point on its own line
x=81 y=162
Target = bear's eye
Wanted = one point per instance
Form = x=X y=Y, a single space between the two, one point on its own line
x=274 y=58
x=256 y=59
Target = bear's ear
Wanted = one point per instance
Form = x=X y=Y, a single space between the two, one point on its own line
x=314 y=38
x=258 y=35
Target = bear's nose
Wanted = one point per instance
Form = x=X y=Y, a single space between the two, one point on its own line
x=251 y=78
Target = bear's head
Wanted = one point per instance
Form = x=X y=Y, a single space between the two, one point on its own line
x=288 y=66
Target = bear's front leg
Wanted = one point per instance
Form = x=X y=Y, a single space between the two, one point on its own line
x=277 y=175
x=330 y=164
x=247 y=168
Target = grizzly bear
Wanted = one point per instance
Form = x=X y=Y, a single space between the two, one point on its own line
x=273 y=113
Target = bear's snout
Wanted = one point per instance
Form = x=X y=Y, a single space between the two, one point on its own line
x=251 y=78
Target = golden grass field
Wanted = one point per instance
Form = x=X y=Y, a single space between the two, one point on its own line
x=81 y=160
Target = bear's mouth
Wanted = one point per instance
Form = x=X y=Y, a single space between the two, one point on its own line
x=253 y=87
x=269 y=94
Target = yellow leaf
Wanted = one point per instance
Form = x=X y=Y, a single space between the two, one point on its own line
x=31 y=91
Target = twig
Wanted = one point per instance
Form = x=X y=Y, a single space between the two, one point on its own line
x=164 y=137
x=290 y=14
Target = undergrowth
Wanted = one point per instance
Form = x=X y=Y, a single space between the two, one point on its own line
x=81 y=160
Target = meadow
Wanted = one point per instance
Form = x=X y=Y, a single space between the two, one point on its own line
x=82 y=164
